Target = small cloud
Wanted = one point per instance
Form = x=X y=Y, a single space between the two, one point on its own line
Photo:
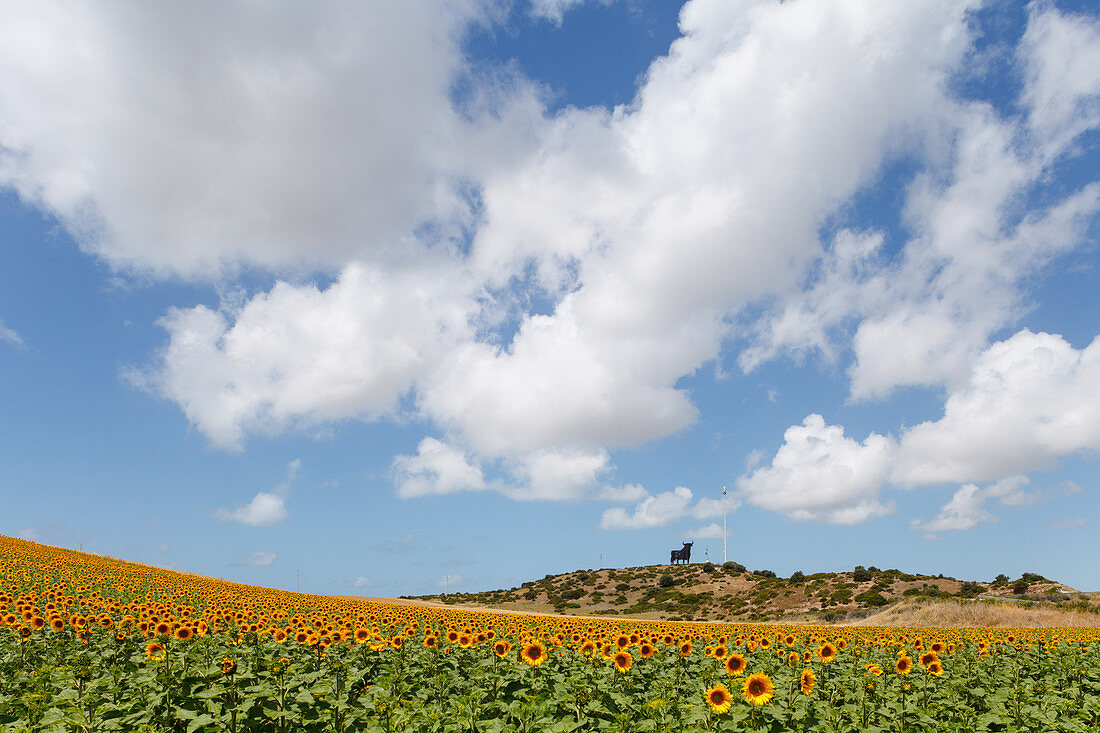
x=361 y=582
x=259 y=559
x=162 y=547
x=964 y=511
x=6 y=334
x=263 y=511
x=709 y=531
x=28 y=533
x=267 y=507
x=1075 y=523
x=654 y=511
x=456 y=562
x=627 y=494
x=437 y=468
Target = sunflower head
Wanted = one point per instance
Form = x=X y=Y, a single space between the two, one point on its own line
x=229 y=665
x=735 y=664
x=533 y=654
x=758 y=688
x=827 y=652
x=806 y=681
x=904 y=665
x=719 y=698
x=623 y=661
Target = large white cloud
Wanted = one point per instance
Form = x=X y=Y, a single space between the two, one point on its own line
x=820 y=474
x=920 y=317
x=303 y=356
x=179 y=141
x=1029 y=401
x=537 y=286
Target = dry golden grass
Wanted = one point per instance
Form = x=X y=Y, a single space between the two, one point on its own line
x=977 y=614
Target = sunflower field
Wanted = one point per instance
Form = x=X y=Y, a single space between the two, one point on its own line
x=94 y=644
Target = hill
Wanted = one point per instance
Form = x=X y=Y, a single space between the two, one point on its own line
x=732 y=593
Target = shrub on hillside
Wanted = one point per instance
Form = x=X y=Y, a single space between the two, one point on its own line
x=666 y=581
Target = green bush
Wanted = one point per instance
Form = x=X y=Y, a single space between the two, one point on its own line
x=666 y=581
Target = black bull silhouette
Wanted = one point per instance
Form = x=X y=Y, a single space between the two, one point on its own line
x=684 y=554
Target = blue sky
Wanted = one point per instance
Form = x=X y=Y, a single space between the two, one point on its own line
x=387 y=298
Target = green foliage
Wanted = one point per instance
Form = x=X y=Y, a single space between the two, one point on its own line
x=666 y=581
x=797 y=577
x=861 y=574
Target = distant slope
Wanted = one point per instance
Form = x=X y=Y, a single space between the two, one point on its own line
x=731 y=593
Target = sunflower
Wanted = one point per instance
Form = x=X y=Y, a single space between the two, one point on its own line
x=589 y=648
x=827 y=652
x=184 y=633
x=719 y=652
x=935 y=668
x=229 y=665
x=928 y=658
x=806 y=681
x=735 y=664
x=874 y=669
x=904 y=665
x=430 y=642
x=685 y=649
x=758 y=688
x=501 y=648
x=57 y=623
x=623 y=661
x=719 y=698
x=163 y=628
x=622 y=641
x=534 y=654
x=647 y=650
x=154 y=651
x=465 y=641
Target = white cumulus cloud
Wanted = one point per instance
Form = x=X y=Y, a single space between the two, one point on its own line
x=6 y=334
x=267 y=507
x=263 y=511
x=437 y=468
x=1029 y=401
x=820 y=474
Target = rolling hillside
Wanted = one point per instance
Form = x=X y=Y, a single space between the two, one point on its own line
x=731 y=592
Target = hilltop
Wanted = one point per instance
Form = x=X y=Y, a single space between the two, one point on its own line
x=730 y=592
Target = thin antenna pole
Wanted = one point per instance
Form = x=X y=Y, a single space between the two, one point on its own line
x=298 y=580
x=723 y=525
